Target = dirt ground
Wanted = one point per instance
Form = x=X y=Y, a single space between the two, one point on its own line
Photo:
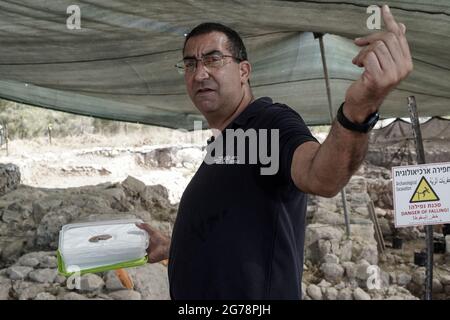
x=94 y=159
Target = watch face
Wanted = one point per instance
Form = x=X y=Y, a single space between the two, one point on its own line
x=373 y=120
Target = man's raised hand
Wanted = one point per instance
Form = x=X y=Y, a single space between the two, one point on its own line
x=386 y=59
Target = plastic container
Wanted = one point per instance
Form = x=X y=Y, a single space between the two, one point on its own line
x=100 y=246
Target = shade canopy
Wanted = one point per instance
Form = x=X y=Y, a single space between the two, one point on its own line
x=120 y=64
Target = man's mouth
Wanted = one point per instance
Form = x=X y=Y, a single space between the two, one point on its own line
x=204 y=90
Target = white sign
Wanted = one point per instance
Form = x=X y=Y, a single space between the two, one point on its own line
x=421 y=194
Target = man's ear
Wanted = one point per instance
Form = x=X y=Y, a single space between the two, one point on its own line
x=245 y=69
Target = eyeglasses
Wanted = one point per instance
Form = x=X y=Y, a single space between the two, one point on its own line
x=210 y=61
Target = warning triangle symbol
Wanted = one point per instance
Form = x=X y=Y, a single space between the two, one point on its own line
x=424 y=192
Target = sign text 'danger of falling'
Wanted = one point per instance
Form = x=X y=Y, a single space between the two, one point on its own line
x=421 y=194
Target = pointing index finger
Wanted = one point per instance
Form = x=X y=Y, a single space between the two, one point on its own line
x=389 y=21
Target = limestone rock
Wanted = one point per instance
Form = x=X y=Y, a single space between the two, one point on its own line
x=330 y=258
x=324 y=216
x=133 y=187
x=340 y=285
x=48 y=262
x=73 y=296
x=380 y=212
x=399 y=293
x=361 y=270
x=350 y=270
x=419 y=276
x=363 y=232
x=155 y=200
x=112 y=282
x=345 y=294
x=102 y=296
x=164 y=157
x=190 y=158
x=356 y=185
x=408 y=233
x=91 y=282
x=12 y=250
x=9 y=178
x=314 y=292
x=323 y=248
x=346 y=250
x=447 y=289
x=324 y=284
x=380 y=191
x=3 y=273
x=18 y=272
x=369 y=253
x=48 y=230
x=394 y=298
x=393 y=277
x=5 y=287
x=125 y=295
x=60 y=279
x=14 y=213
x=317 y=231
x=360 y=294
x=385 y=281
x=44 y=296
x=445 y=279
x=28 y=261
x=43 y=275
x=329 y=204
x=331 y=294
x=151 y=280
x=24 y=290
x=385 y=227
x=403 y=279
x=321 y=239
x=42 y=206
x=333 y=272
x=363 y=211
x=356 y=199
x=117 y=199
x=437 y=286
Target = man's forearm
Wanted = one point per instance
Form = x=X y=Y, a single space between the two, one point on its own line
x=337 y=159
x=386 y=58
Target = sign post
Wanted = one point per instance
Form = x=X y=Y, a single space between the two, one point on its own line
x=330 y=109
x=412 y=108
x=422 y=195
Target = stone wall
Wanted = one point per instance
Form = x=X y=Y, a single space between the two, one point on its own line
x=9 y=178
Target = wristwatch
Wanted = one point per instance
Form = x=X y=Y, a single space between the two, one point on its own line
x=364 y=127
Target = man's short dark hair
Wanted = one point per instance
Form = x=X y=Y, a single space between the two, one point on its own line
x=235 y=43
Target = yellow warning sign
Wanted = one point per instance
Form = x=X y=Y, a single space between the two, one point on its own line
x=424 y=192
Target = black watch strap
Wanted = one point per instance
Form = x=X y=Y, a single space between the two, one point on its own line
x=364 y=127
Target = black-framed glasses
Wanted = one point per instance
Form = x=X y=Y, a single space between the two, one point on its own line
x=210 y=61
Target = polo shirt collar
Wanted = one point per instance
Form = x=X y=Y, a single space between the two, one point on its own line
x=251 y=110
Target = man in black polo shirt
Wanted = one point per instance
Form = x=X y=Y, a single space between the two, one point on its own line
x=239 y=233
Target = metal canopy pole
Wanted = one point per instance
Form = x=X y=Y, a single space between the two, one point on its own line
x=412 y=108
x=330 y=109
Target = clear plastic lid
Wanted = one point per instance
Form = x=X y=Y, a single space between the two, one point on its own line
x=104 y=242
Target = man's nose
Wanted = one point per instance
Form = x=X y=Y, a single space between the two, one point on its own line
x=201 y=73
